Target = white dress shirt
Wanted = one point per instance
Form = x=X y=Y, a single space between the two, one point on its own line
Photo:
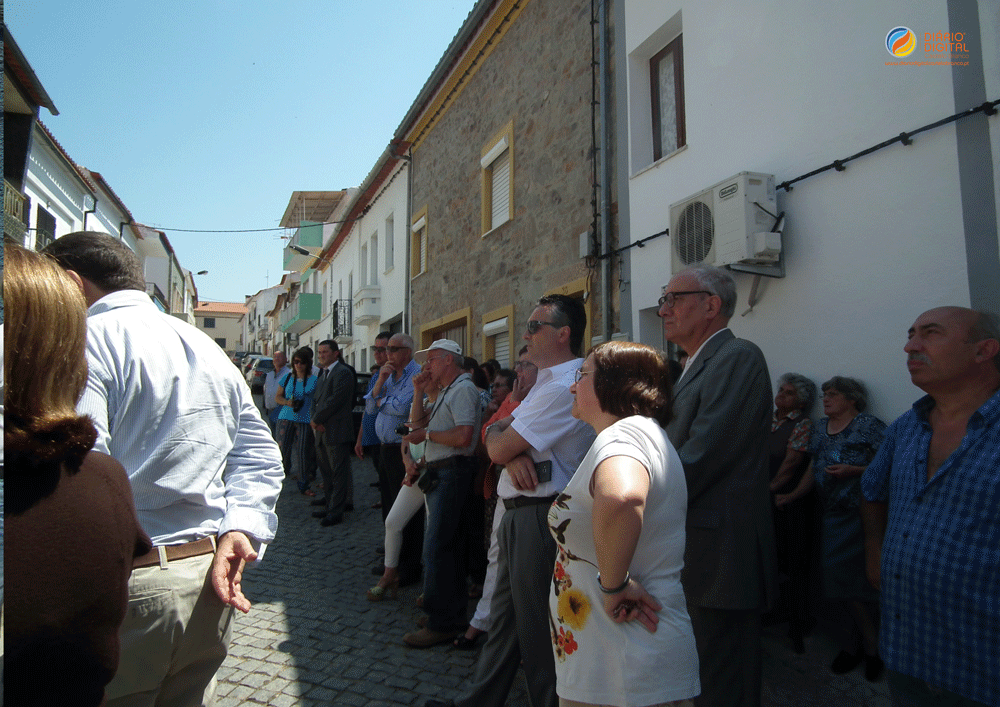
x=271 y=386
x=544 y=420
x=170 y=406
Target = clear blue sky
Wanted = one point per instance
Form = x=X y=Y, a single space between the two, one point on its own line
x=208 y=115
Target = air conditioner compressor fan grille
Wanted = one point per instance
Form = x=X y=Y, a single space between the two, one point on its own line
x=695 y=231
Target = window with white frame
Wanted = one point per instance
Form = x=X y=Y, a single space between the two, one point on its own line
x=498 y=333
x=497 y=180
x=389 y=242
x=666 y=77
x=418 y=245
x=374 y=256
x=364 y=265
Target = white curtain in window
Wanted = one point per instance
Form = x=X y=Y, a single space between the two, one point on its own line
x=668 y=104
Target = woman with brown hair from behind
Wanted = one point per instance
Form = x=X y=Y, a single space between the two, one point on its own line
x=71 y=530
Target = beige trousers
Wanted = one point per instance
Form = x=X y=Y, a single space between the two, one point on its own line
x=174 y=638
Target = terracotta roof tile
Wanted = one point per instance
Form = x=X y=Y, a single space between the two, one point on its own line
x=222 y=307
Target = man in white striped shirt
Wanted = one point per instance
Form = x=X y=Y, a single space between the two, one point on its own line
x=205 y=473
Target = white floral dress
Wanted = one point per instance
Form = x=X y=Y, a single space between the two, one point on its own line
x=599 y=661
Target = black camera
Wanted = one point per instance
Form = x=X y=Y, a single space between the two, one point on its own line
x=402 y=430
x=297 y=404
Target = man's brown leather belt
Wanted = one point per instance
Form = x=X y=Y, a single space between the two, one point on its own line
x=522 y=501
x=163 y=554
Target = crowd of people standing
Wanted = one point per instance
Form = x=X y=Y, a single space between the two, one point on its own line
x=628 y=522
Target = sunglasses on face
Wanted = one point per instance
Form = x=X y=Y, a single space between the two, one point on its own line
x=534 y=326
x=394 y=349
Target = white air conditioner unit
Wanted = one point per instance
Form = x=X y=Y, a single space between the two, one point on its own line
x=728 y=223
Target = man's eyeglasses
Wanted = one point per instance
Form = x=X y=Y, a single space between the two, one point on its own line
x=534 y=326
x=580 y=373
x=394 y=349
x=670 y=298
x=378 y=349
x=431 y=359
x=523 y=365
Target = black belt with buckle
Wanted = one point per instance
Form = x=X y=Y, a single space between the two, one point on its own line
x=522 y=501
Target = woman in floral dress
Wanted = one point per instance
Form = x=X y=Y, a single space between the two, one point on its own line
x=620 y=628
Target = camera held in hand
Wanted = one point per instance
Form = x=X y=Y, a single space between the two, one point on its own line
x=402 y=430
x=297 y=404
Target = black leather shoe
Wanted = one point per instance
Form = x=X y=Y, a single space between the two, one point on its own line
x=318 y=502
x=331 y=519
x=319 y=514
x=845 y=662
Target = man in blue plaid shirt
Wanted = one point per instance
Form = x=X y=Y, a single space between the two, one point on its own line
x=932 y=517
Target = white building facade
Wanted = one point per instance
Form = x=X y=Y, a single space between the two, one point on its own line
x=784 y=89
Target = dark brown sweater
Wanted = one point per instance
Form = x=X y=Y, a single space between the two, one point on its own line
x=69 y=547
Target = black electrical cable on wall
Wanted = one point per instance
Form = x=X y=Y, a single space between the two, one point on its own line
x=989 y=108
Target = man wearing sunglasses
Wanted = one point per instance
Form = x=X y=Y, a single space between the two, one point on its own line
x=722 y=410
x=540 y=446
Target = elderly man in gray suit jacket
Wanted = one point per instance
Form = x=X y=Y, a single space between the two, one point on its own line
x=333 y=426
x=722 y=412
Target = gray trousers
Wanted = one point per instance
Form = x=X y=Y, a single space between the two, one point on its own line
x=334 y=461
x=519 y=614
x=730 y=656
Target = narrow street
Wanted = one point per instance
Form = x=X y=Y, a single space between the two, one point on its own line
x=313 y=639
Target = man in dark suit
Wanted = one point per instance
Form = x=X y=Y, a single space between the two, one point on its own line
x=333 y=425
x=722 y=412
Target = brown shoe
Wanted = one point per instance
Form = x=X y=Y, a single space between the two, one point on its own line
x=426 y=637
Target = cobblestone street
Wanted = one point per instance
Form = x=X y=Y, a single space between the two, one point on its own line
x=312 y=638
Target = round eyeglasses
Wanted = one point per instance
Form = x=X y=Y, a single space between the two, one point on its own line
x=670 y=298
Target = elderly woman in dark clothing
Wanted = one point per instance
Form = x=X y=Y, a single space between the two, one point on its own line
x=842 y=445
x=789 y=448
x=72 y=534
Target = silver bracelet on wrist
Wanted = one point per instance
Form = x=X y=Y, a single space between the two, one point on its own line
x=615 y=590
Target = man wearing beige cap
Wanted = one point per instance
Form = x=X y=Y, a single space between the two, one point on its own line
x=449 y=431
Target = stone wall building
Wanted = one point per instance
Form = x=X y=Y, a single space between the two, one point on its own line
x=502 y=202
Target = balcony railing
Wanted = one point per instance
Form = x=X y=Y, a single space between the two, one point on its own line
x=308 y=236
x=303 y=312
x=367 y=305
x=342 y=329
x=15 y=223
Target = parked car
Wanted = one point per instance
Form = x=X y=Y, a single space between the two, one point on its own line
x=359 y=400
x=259 y=368
x=237 y=358
x=248 y=360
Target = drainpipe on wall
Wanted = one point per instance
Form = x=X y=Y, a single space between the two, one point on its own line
x=605 y=138
x=407 y=314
